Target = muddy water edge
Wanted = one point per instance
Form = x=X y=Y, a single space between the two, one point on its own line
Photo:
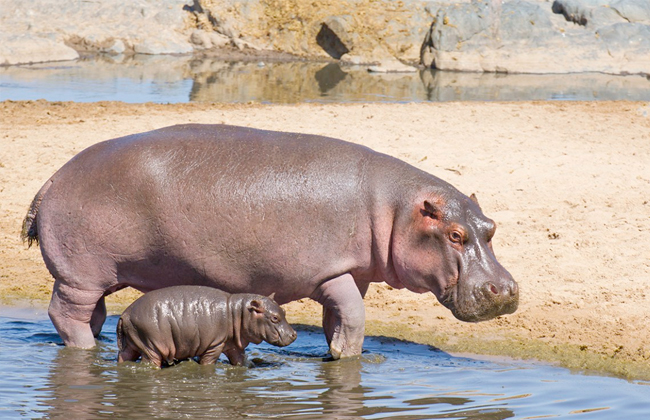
x=392 y=379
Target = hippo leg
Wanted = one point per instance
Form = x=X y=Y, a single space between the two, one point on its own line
x=71 y=311
x=128 y=355
x=152 y=360
x=99 y=317
x=211 y=355
x=236 y=356
x=344 y=315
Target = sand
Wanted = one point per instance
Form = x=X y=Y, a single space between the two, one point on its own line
x=567 y=183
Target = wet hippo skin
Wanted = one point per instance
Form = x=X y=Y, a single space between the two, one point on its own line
x=181 y=322
x=255 y=211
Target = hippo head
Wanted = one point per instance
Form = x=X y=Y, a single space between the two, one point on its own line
x=446 y=248
x=264 y=320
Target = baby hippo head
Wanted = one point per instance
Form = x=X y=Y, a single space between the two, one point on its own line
x=264 y=320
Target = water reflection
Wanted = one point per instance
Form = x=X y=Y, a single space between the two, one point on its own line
x=76 y=384
x=87 y=384
x=328 y=77
x=392 y=379
x=186 y=79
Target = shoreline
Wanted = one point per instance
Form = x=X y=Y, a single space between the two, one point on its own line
x=577 y=358
x=567 y=183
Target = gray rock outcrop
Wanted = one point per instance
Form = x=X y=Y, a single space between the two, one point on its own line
x=51 y=30
x=514 y=36
x=541 y=37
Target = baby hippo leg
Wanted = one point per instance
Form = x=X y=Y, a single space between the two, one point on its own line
x=236 y=356
x=211 y=355
x=128 y=355
x=152 y=358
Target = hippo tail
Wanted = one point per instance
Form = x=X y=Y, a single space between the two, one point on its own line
x=29 y=232
x=120 y=335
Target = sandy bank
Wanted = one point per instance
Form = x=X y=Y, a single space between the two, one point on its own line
x=567 y=183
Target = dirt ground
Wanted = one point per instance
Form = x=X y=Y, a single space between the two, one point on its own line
x=567 y=183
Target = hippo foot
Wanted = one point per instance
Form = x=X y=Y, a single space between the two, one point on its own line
x=341 y=348
x=343 y=316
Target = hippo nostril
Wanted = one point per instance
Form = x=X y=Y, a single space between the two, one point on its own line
x=514 y=289
x=492 y=288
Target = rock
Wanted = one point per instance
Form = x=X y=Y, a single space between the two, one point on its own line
x=165 y=43
x=628 y=45
x=594 y=13
x=539 y=37
x=218 y=40
x=635 y=11
x=111 y=26
x=621 y=37
x=514 y=36
x=227 y=28
x=335 y=37
x=27 y=48
x=598 y=13
x=333 y=29
x=200 y=38
x=330 y=42
x=524 y=20
x=242 y=45
x=208 y=39
x=116 y=48
x=354 y=60
x=392 y=66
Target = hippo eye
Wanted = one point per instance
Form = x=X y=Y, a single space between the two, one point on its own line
x=456 y=237
x=275 y=319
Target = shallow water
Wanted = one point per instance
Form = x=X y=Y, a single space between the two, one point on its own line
x=171 y=79
x=392 y=379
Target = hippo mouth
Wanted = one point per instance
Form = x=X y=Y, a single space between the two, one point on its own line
x=448 y=298
x=480 y=303
x=449 y=294
x=282 y=338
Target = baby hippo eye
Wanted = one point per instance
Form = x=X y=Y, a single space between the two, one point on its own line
x=456 y=237
x=275 y=319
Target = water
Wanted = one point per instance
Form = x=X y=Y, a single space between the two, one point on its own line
x=172 y=79
x=391 y=380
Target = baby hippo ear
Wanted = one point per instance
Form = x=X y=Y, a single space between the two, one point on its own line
x=256 y=306
x=272 y=296
x=475 y=200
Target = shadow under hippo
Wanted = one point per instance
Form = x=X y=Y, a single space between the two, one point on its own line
x=254 y=211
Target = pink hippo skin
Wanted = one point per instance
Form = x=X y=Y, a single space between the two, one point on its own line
x=247 y=210
x=179 y=322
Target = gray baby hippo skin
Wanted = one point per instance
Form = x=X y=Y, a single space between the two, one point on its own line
x=253 y=211
x=181 y=322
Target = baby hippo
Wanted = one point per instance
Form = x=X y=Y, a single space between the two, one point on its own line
x=181 y=322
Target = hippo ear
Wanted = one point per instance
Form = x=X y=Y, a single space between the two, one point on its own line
x=475 y=200
x=256 y=306
x=431 y=210
x=272 y=296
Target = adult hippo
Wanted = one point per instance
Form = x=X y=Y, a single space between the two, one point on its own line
x=248 y=210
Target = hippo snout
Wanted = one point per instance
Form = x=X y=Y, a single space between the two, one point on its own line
x=486 y=300
x=285 y=336
x=506 y=292
x=290 y=337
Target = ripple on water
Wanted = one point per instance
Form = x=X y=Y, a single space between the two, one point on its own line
x=392 y=379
